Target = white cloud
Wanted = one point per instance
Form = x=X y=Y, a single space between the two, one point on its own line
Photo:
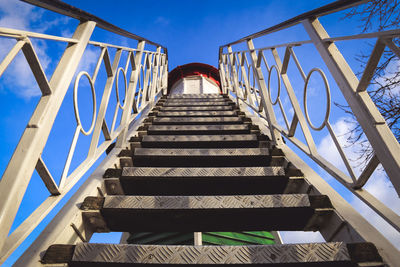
x=390 y=74
x=327 y=147
x=378 y=185
x=89 y=60
x=17 y=15
x=22 y=16
x=163 y=21
x=18 y=76
x=291 y=112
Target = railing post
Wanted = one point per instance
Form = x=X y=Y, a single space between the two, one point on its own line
x=130 y=96
x=104 y=101
x=269 y=110
x=298 y=116
x=368 y=116
x=165 y=75
x=234 y=73
x=224 y=88
x=148 y=62
x=222 y=75
x=227 y=73
x=22 y=164
x=155 y=70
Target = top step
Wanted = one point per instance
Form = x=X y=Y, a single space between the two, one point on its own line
x=196 y=96
x=195 y=103
x=184 y=100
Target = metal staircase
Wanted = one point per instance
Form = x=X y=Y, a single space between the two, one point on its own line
x=221 y=177
x=193 y=163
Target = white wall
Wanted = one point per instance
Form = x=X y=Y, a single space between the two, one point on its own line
x=195 y=85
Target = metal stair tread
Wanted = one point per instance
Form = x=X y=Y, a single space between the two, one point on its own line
x=196 y=103
x=198 y=129
x=207 y=202
x=326 y=254
x=123 y=213
x=203 y=181
x=184 y=96
x=197 y=120
x=204 y=172
x=199 y=141
x=196 y=108
x=183 y=100
x=201 y=157
x=191 y=152
x=197 y=113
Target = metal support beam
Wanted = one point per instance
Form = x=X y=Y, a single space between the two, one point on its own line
x=269 y=110
x=385 y=145
x=130 y=96
x=23 y=162
x=357 y=226
x=100 y=120
x=59 y=230
x=298 y=114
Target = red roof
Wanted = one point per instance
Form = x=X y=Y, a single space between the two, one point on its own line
x=191 y=69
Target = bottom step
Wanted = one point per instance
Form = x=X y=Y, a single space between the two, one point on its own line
x=321 y=254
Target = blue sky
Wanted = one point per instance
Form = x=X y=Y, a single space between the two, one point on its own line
x=192 y=31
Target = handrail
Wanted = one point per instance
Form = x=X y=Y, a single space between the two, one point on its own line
x=74 y=12
x=246 y=76
x=315 y=13
x=145 y=78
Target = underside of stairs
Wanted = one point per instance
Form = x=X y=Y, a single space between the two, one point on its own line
x=198 y=164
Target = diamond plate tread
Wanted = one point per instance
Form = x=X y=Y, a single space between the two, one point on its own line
x=199 y=138
x=197 y=103
x=200 y=141
x=226 y=213
x=198 y=129
x=204 y=172
x=197 y=114
x=198 y=108
x=207 y=202
x=315 y=254
x=198 y=120
x=127 y=213
x=335 y=252
x=189 y=152
x=202 y=181
x=183 y=100
x=201 y=157
x=195 y=96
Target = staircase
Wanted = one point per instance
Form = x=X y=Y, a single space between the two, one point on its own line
x=198 y=164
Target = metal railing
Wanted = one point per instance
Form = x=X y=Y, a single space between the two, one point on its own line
x=247 y=75
x=145 y=78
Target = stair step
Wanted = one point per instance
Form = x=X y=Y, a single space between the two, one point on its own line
x=201 y=157
x=199 y=141
x=311 y=254
x=209 y=213
x=197 y=113
x=198 y=108
x=184 y=100
x=196 y=96
x=206 y=181
x=195 y=103
x=198 y=120
x=198 y=129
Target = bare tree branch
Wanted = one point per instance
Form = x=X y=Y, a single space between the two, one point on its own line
x=384 y=89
